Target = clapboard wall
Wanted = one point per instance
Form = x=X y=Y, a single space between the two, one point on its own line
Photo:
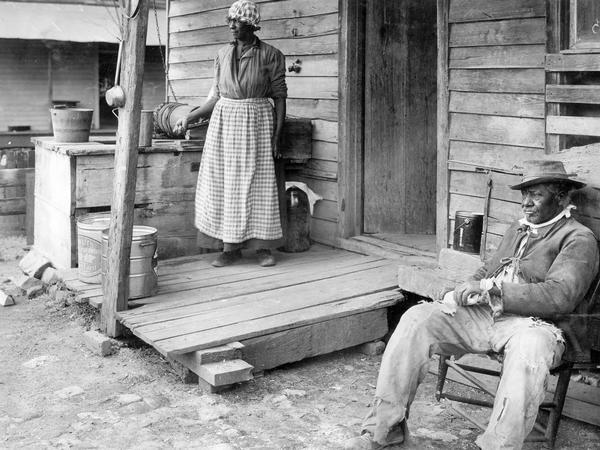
x=303 y=30
x=496 y=82
x=32 y=73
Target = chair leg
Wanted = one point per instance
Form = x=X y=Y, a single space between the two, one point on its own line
x=560 y=394
x=442 y=372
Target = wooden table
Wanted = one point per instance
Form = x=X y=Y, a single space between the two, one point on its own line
x=75 y=179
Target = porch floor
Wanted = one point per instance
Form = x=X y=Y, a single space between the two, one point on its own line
x=310 y=303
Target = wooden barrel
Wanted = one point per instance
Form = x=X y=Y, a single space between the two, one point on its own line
x=71 y=124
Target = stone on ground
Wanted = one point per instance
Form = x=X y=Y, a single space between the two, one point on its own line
x=98 y=343
x=34 y=264
x=6 y=299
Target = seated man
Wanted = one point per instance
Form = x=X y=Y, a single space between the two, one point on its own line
x=543 y=266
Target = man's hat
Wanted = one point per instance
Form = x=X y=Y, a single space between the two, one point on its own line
x=546 y=171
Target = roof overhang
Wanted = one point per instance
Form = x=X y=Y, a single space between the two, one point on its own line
x=70 y=22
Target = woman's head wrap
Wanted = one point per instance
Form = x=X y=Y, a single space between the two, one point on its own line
x=245 y=11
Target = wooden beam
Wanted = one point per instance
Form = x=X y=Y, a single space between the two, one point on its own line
x=556 y=36
x=351 y=117
x=116 y=288
x=567 y=93
x=443 y=133
x=589 y=62
x=575 y=125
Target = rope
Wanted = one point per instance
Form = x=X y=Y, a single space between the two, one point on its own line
x=162 y=56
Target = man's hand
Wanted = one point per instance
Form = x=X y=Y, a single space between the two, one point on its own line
x=464 y=290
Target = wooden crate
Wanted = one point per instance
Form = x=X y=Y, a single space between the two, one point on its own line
x=75 y=179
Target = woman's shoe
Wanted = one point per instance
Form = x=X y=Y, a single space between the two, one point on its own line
x=227 y=258
x=265 y=257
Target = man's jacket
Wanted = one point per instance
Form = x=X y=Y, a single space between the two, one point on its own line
x=557 y=267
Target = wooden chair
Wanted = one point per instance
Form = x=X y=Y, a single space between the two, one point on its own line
x=582 y=334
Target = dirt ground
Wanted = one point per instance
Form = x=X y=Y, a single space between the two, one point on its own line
x=55 y=393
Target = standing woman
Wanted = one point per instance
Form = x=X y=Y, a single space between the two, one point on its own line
x=236 y=197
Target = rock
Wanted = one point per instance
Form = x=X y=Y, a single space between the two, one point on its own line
x=68 y=392
x=435 y=435
x=6 y=299
x=98 y=343
x=465 y=432
x=32 y=286
x=294 y=392
x=50 y=276
x=126 y=399
x=39 y=361
x=34 y=264
x=213 y=413
x=372 y=348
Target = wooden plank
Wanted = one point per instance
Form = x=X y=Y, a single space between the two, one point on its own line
x=276 y=349
x=486 y=10
x=10 y=206
x=200 y=17
x=312 y=66
x=569 y=93
x=498 y=130
x=280 y=322
x=514 y=105
x=180 y=307
x=248 y=307
x=13 y=177
x=270 y=29
x=501 y=211
x=497 y=56
x=523 y=81
x=326 y=189
x=30 y=205
x=324 y=130
x=327 y=44
x=183 y=7
x=298 y=87
x=501 y=32
x=324 y=231
x=325 y=151
x=575 y=125
x=54 y=180
x=57 y=248
x=126 y=154
x=312 y=108
x=492 y=155
x=473 y=183
x=558 y=62
x=226 y=372
x=443 y=124
x=160 y=177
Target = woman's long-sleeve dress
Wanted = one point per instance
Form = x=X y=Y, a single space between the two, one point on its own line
x=236 y=197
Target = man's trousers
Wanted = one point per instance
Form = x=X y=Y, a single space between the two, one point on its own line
x=531 y=348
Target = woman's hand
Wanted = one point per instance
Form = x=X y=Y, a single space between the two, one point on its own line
x=275 y=147
x=181 y=125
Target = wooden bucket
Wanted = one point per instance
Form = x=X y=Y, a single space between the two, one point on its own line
x=71 y=124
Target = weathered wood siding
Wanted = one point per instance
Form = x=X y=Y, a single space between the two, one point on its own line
x=496 y=102
x=305 y=31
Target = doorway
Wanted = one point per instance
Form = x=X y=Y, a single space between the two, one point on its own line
x=399 y=137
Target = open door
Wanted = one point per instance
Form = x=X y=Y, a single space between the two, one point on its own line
x=399 y=159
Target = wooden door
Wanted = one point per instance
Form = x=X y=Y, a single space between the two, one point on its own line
x=400 y=117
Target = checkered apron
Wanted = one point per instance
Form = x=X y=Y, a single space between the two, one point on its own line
x=236 y=196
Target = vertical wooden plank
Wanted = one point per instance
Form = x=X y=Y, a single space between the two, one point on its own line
x=556 y=39
x=443 y=143
x=116 y=292
x=29 y=204
x=351 y=116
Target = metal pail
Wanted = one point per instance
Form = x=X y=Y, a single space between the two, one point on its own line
x=89 y=246
x=467 y=231
x=143 y=262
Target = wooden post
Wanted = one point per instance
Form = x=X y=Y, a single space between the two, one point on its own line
x=443 y=143
x=116 y=287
